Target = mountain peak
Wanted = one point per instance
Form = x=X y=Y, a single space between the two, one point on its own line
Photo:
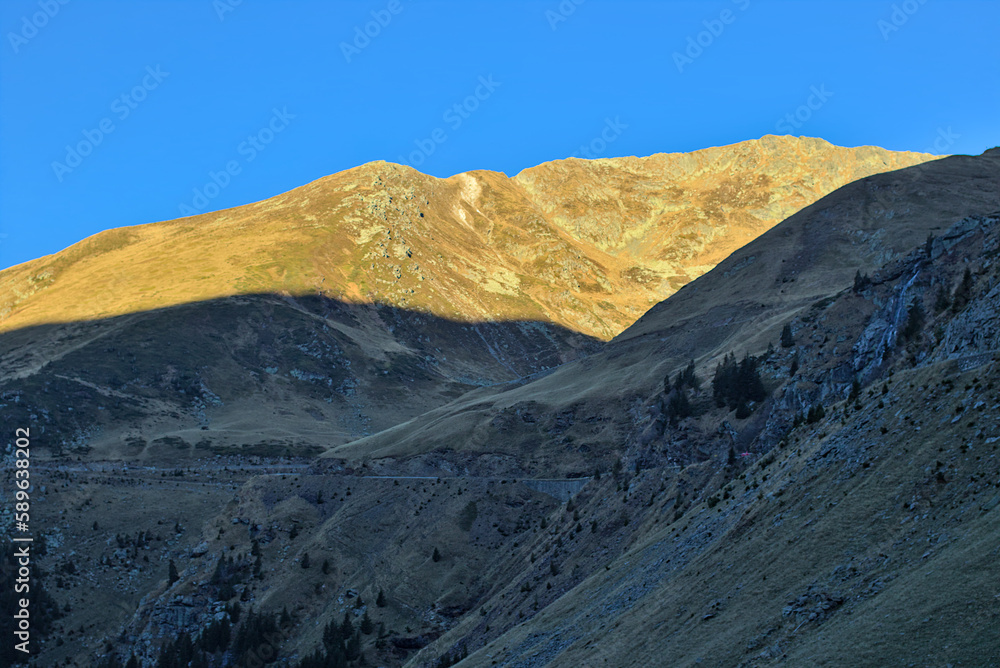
x=587 y=244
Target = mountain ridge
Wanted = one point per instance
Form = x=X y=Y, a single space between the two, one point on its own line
x=477 y=245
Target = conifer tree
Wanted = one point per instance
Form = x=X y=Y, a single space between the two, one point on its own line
x=963 y=293
x=367 y=625
x=689 y=377
x=914 y=321
x=787 y=339
x=942 y=301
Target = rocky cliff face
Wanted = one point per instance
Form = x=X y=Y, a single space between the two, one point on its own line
x=669 y=218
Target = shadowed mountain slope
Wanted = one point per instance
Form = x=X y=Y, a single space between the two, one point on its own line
x=862 y=532
x=258 y=374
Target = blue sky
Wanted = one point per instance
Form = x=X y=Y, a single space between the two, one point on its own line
x=122 y=113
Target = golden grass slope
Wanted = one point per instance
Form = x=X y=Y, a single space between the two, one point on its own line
x=589 y=245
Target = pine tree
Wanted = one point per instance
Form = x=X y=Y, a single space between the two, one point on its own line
x=217 y=574
x=816 y=413
x=963 y=293
x=914 y=321
x=367 y=625
x=354 y=647
x=724 y=382
x=234 y=611
x=689 y=377
x=172 y=575
x=380 y=599
x=855 y=390
x=436 y=556
x=787 y=339
x=346 y=628
x=305 y=560
x=678 y=407
x=942 y=301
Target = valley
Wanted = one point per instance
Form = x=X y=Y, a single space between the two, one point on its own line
x=773 y=443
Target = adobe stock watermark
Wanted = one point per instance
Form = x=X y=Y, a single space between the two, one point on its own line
x=562 y=12
x=612 y=130
x=454 y=116
x=30 y=25
x=900 y=14
x=944 y=140
x=122 y=107
x=714 y=28
x=223 y=7
x=363 y=37
x=795 y=120
x=249 y=149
